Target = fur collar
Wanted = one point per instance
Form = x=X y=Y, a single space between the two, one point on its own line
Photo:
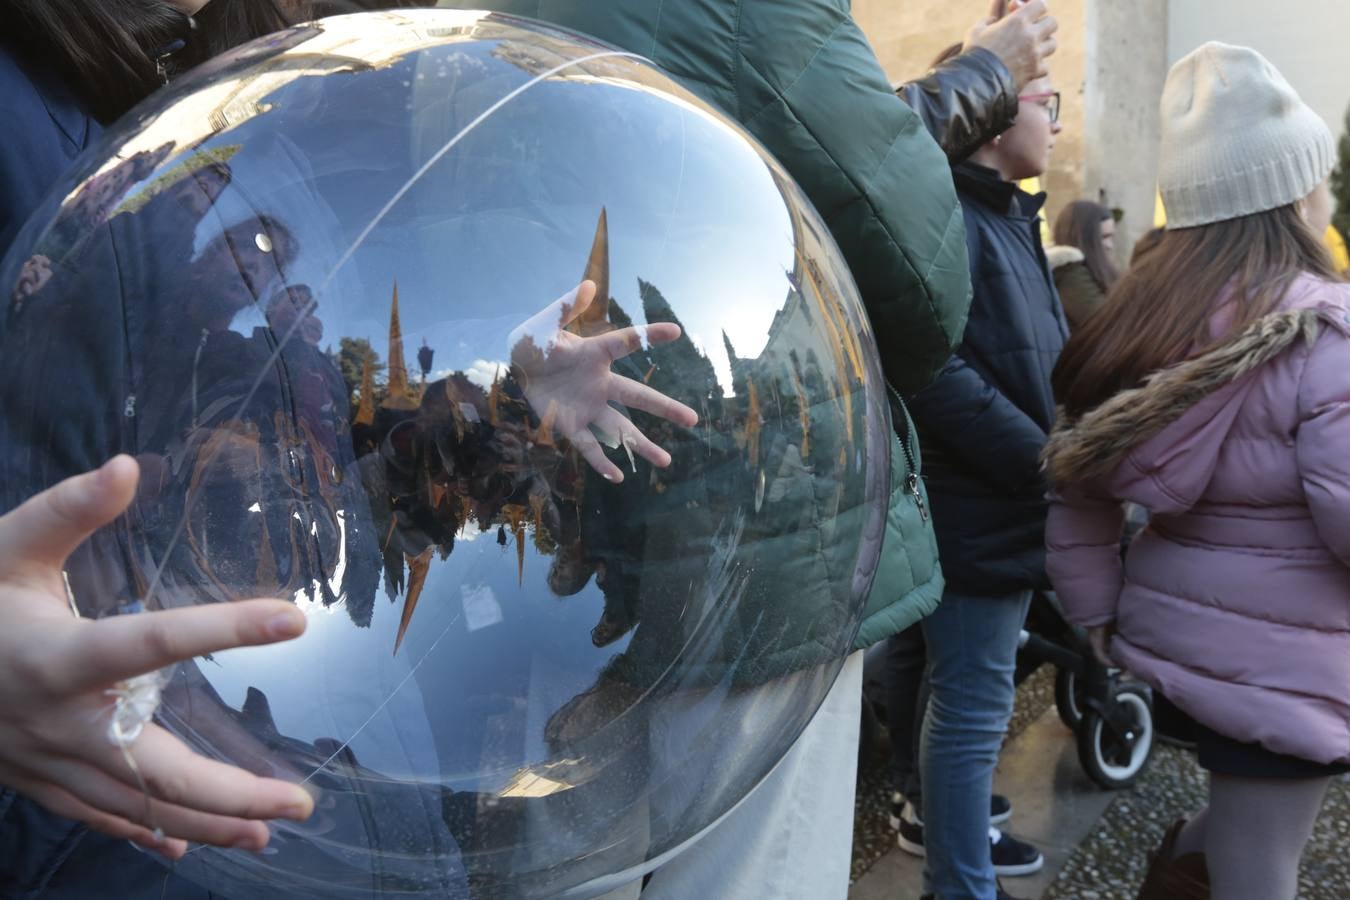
x=1062 y=255
x=1094 y=444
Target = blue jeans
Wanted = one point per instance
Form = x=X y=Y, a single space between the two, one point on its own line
x=972 y=654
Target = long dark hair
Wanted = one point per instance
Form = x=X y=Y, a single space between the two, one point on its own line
x=114 y=53
x=1159 y=313
x=1080 y=225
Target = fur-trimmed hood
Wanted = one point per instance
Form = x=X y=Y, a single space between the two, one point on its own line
x=1060 y=255
x=1095 y=444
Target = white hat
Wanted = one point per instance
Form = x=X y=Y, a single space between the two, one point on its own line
x=1236 y=139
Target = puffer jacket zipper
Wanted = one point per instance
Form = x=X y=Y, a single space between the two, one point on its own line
x=900 y=420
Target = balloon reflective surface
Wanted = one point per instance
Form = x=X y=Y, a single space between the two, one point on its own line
x=578 y=571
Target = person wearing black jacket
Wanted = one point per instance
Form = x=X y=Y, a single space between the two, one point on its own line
x=982 y=423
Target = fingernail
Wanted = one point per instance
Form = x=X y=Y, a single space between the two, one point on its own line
x=300 y=809
x=286 y=625
x=105 y=472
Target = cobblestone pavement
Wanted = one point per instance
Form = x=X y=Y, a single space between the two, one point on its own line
x=1111 y=863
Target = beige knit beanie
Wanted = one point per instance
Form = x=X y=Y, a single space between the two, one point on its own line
x=1236 y=139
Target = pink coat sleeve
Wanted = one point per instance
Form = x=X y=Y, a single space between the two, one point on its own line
x=1082 y=540
x=1323 y=440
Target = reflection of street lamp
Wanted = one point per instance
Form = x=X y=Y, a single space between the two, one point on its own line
x=424 y=357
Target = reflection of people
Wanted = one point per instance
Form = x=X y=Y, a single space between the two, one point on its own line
x=1212 y=390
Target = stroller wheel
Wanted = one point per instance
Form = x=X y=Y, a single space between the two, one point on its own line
x=1115 y=744
x=1069 y=693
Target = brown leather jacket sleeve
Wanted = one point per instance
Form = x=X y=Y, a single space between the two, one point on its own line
x=965 y=102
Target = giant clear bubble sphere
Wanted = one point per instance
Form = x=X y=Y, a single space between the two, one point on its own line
x=530 y=377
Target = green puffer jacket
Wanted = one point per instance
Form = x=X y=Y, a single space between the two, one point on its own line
x=802 y=78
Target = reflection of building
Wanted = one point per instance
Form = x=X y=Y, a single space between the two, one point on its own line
x=398 y=394
x=336 y=45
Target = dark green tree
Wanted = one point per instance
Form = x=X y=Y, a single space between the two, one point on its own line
x=351 y=360
x=1340 y=183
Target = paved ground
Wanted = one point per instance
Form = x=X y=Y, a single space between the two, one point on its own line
x=1096 y=843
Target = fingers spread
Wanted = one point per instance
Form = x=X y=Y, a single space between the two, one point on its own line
x=640 y=396
x=97 y=654
x=594 y=454
x=173 y=773
x=615 y=423
x=122 y=801
x=65 y=804
x=48 y=528
x=618 y=344
x=575 y=302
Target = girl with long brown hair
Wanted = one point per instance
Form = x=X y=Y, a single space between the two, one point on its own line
x=1213 y=389
x=1082 y=259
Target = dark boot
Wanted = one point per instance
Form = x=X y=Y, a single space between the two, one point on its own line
x=1183 y=878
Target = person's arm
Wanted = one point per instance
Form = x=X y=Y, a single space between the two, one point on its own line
x=979 y=426
x=1322 y=438
x=965 y=102
x=1082 y=558
x=971 y=99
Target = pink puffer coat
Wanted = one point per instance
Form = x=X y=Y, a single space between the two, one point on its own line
x=1235 y=602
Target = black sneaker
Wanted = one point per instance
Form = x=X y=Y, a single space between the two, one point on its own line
x=1000 y=809
x=1009 y=856
x=909 y=831
x=1012 y=857
x=1002 y=895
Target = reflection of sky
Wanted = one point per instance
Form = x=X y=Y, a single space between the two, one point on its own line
x=503 y=224
x=461 y=697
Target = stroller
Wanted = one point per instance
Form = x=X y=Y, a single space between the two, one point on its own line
x=1110 y=715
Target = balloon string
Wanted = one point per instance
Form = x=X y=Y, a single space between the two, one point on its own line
x=123 y=744
x=143 y=688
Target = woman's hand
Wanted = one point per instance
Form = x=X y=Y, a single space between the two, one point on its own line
x=56 y=672
x=1100 y=640
x=568 y=381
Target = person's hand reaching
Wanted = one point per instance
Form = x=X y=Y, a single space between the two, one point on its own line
x=1100 y=641
x=568 y=382
x=1022 y=38
x=57 y=671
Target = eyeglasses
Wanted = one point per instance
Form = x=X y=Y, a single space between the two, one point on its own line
x=1051 y=106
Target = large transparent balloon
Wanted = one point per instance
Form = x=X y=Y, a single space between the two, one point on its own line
x=578 y=571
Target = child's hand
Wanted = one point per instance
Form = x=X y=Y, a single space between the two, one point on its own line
x=55 y=671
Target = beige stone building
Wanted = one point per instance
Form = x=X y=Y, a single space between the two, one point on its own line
x=1113 y=58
